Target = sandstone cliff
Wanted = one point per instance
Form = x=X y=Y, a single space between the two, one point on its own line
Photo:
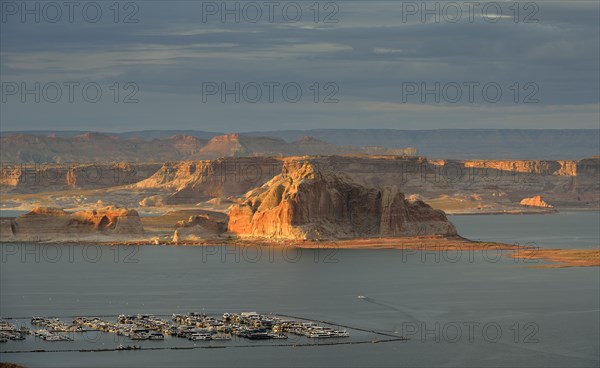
x=95 y=147
x=45 y=223
x=449 y=184
x=47 y=177
x=538 y=167
x=563 y=183
x=194 y=181
x=198 y=227
x=305 y=202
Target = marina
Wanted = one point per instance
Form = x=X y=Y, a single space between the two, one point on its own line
x=129 y=330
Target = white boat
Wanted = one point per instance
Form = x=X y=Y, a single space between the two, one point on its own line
x=38 y=321
x=128 y=347
x=319 y=335
x=7 y=327
x=221 y=337
x=343 y=333
x=139 y=336
x=156 y=336
x=53 y=338
x=250 y=314
x=200 y=336
x=41 y=333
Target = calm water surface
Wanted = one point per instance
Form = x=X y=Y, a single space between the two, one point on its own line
x=479 y=310
x=571 y=229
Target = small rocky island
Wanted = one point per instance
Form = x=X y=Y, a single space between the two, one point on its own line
x=305 y=202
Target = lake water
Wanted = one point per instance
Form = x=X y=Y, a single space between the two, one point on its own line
x=12 y=213
x=480 y=310
x=570 y=229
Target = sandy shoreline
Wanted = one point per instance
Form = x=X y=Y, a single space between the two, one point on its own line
x=449 y=249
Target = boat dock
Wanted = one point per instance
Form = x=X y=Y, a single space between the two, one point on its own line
x=195 y=327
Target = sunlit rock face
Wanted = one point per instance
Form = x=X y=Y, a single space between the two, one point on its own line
x=305 y=202
x=535 y=201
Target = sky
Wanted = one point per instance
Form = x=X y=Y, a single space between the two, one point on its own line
x=240 y=66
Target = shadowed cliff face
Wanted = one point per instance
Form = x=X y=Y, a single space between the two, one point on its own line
x=305 y=202
x=191 y=182
x=39 y=178
x=561 y=182
x=54 y=224
x=102 y=148
x=96 y=147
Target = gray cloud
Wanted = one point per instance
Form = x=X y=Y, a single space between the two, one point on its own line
x=369 y=54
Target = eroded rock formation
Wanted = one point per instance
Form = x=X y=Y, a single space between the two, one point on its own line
x=44 y=223
x=198 y=227
x=45 y=177
x=305 y=202
x=535 y=201
x=571 y=183
x=194 y=181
